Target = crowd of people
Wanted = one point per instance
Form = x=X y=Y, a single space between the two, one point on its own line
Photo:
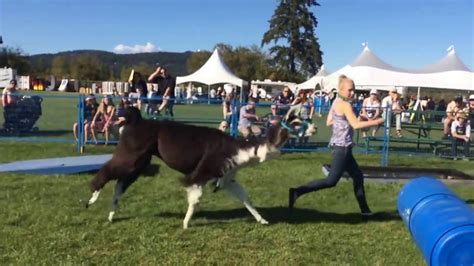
x=106 y=118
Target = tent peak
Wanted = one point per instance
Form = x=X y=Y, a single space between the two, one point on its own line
x=451 y=50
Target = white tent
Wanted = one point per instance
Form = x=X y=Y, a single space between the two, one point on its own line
x=313 y=81
x=214 y=71
x=368 y=70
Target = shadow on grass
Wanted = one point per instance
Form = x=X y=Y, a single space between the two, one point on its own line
x=281 y=215
x=470 y=201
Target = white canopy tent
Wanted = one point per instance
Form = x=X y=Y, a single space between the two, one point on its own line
x=368 y=70
x=313 y=81
x=214 y=71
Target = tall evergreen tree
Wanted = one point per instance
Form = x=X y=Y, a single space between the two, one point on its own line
x=292 y=30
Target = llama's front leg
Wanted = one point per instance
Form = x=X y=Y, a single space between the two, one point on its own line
x=236 y=190
x=95 y=196
x=194 y=192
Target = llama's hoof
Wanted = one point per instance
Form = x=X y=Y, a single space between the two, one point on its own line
x=185 y=226
x=111 y=216
x=263 y=221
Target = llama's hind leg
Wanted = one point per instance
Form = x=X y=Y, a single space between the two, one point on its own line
x=194 y=193
x=124 y=182
x=236 y=190
x=120 y=188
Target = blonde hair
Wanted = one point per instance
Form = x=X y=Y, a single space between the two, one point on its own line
x=344 y=79
x=103 y=107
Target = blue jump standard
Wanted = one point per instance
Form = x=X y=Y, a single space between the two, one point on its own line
x=57 y=166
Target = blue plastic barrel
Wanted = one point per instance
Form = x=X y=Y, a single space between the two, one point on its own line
x=441 y=224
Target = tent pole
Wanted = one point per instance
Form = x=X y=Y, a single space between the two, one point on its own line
x=208 y=94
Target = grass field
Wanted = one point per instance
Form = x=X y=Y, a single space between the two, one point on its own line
x=43 y=220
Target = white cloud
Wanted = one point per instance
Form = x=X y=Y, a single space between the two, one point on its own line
x=125 y=49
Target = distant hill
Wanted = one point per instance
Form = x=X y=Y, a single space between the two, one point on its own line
x=175 y=62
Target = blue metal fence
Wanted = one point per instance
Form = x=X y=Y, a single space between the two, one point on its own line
x=61 y=111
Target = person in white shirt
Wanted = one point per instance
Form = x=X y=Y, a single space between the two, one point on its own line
x=393 y=101
x=461 y=133
x=370 y=111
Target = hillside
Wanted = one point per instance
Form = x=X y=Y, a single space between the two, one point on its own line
x=175 y=62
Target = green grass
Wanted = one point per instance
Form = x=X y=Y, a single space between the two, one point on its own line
x=44 y=221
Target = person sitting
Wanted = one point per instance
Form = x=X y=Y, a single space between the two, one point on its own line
x=90 y=108
x=393 y=101
x=284 y=100
x=306 y=110
x=370 y=111
x=461 y=133
x=247 y=120
x=104 y=119
x=138 y=89
x=9 y=103
x=274 y=118
x=455 y=106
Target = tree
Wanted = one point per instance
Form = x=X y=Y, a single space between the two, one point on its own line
x=60 y=67
x=292 y=30
x=16 y=59
x=196 y=60
x=88 y=67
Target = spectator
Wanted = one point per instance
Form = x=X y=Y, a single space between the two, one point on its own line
x=440 y=109
x=104 y=119
x=9 y=102
x=274 y=118
x=471 y=111
x=284 y=100
x=254 y=93
x=455 y=106
x=121 y=107
x=332 y=97
x=307 y=109
x=227 y=107
x=166 y=90
x=247 y=120
x=393 y=101
x=370 y=111
x=430 y=107
x=461 y=133
x=90 y=108
x=138 y=89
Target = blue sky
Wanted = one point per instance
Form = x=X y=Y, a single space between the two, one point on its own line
x=404 y=33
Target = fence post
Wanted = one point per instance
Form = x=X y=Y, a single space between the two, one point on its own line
x=386 y=139
x=80 y=124
x=234 y=119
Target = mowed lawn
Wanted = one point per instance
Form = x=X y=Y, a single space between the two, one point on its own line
x=43 y=219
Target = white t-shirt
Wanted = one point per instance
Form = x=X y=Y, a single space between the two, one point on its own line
x=387 y=101
x=465 y=129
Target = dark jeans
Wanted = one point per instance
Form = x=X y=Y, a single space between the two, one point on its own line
x=342 y=161
x=457 y=142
